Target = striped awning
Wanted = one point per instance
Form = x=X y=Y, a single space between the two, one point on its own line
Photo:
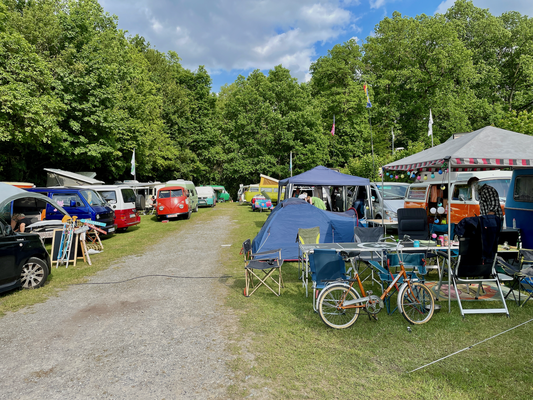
x=484 y=149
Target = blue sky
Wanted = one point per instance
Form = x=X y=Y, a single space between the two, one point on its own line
x=234 y=37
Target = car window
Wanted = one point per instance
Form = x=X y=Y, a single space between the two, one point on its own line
x=393 y=192
x=176 y=193
x=128 y=195
x=501 y=186
x=164 y=194
x=109 y=195
x=268 y=190
x=92 y=198
x=65 y=199
x=462 y=192
x=523 y=188
x=417 y=193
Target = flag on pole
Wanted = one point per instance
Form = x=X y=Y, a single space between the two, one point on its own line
x=430 y=124
x=368 y=103
x=133 y=163
x=333 y=128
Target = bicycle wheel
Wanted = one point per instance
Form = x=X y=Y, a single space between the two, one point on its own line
x=416 y=303
x=328 y=306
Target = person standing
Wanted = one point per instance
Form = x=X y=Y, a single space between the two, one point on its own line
x=489 y=199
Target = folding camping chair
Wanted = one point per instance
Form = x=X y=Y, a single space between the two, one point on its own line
x=268 y=262
x=306 y=236
x=367 y=235
x=325 y=265
x=414 y=223
x=520 y=276
x=477 y=259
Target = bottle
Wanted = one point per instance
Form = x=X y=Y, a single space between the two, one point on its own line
x=446 y=240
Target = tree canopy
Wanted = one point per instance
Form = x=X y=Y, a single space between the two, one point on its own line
x=77 y=93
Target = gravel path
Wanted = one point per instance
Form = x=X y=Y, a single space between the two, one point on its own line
x=148 y=338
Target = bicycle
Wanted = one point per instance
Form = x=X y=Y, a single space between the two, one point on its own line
x=339 y=304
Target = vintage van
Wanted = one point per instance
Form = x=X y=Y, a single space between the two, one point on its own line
x=519 y=205
x=432 y=193
x=207 y=197
x=222 y=194
x=83 y=203
x=122 y=200
x=254 y=190
x=172 y=202
x=191 y=191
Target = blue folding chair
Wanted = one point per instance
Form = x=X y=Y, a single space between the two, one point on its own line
x=326 y=265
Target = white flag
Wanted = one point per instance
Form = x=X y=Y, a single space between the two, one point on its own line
x=430 y=124
x=133 y=163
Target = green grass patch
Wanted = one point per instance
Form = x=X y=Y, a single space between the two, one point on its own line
x=286 y=347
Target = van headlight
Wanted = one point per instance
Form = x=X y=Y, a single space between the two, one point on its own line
x=97 y=216
x=161 y=208
x=180 y=206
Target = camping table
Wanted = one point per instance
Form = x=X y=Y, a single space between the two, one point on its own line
x=306 y=249
x=425 y=246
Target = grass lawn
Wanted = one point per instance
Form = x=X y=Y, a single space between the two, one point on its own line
x=286 y=347
x=282 y=345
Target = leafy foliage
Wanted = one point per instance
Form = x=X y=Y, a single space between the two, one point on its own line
x=76 y=93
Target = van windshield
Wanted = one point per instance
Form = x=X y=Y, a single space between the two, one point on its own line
x=92 y=198
x=165 y=194
x=128 y=195
x=394 y=192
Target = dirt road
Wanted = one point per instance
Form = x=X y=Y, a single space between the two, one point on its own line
x=149 y=338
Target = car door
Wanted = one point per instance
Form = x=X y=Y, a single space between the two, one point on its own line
x=10 y=246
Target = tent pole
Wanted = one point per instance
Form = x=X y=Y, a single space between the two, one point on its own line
x=382 y=200
x=449 y=221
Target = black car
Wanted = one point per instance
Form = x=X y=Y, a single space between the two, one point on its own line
x=23 y=259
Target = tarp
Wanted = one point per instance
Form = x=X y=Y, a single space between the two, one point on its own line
x=322 y=176
x=9 y=193
x=58 y=177
x=281 y=227
x=486 y=148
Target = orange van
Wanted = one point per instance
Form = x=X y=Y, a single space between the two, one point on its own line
x=172 y=202
x=432 y=193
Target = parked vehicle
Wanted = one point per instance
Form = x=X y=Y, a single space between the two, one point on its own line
x=173 y=202
x=261 y=202
x=191 y=191
x=385 y=200
x=207 y=196
x=122 y=200
x=222 y=194
x=83 y=203
x=254 y=190
x=24 y=260
x=432 y=194
x=519 y=205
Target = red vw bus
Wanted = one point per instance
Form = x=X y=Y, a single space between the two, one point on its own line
x=172 y=201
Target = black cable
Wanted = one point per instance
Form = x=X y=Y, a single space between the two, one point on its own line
x=165 y=276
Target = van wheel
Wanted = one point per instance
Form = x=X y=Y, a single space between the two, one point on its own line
x=188 y=215
x=196 y=208
x=34 y=273
x=139 y=202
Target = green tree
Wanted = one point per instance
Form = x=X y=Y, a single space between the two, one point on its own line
x=264 y=118
x=337 y=85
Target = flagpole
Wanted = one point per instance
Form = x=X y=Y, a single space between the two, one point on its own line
x=392 y=130
x=369 y=105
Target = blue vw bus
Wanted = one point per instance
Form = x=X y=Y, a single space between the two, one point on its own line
x=519 y=205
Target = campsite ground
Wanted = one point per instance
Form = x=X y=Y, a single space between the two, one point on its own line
x=168 y=337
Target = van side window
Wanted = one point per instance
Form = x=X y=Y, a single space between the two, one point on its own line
x=462 y=192
x=417 y=193
x=66 y=198
x=523 y=189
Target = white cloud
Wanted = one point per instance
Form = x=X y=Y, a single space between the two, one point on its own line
x=238 y=34
x=376 y=3
x=443 y=7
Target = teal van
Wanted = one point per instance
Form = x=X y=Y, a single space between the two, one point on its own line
x=222 y=194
